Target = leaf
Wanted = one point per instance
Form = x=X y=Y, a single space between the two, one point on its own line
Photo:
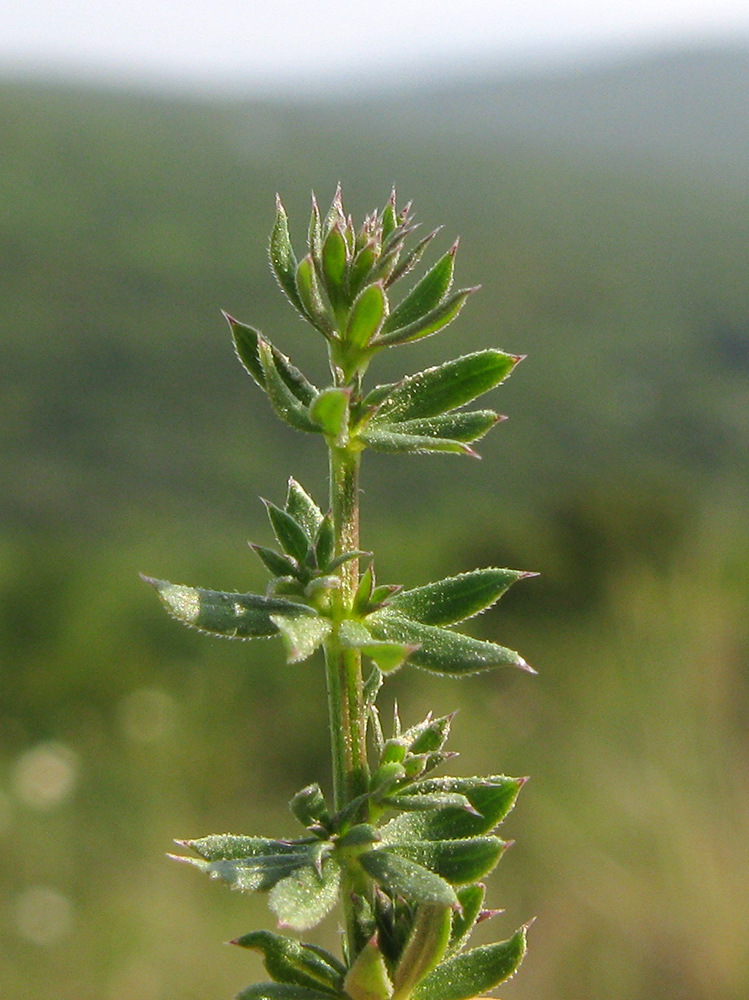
x=429 y=324
x=235 y=616
x=471 y=899
x=304 y=898
x=411 y=259
x=334 y=266
x=425 y=947
x=325 y=543
x=283 y=399
x=280 y=991
x=330 y=411
x=291 y=536
x=387 y=655
x=386 y=438
x=309 y=806
x=277 y=564
x=229 y=847
x=456 y=861
x=282 y=257
x=246 y=344
x=289 y=961
x=367 y=315
x=361 y=267
x=473 y=972
x=441 y=650
x=464 y=427
x=304 y=510
x=425 y=296
x=253 y=874
x=456 y=598
x=425 y=803
x=368 y=979
x=312 y=301
x=400 y=876
x=442 y=388
x=491 y=799
x=302 y=636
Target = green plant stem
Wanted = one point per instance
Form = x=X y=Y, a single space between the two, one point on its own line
x=348 y=725
x=344 y=675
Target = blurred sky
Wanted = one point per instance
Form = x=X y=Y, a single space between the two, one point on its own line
x=285 y=42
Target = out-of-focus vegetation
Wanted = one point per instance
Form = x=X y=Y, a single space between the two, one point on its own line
x=132 y=440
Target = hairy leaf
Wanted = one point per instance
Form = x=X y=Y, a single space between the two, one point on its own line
x=291 y=536
x=441 y=650
x=473 y=972
x=466 y=427
x=282 y=257
x=283 y=399
x=425 y=296
x=330 y=411
x=400 y=876
x=491 y=799
x=234 y=616
x=304 y=510
x=302 y=635
x=436 y=320
x=246 y=344
x=456 y=598
x=368 y=979
x=471 y=899
x=301 y=900
x=391 y=439
x=425 y=947
x=456 y=861
x=445 y=387
x=288 y=961
x=367 y=315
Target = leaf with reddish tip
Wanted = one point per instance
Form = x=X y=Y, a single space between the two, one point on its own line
x=425 y=296
x=435 y=320
x=456 y=598
x=472 y=973
x=282 y=257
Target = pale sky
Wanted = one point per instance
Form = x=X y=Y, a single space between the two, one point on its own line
x=277 y=42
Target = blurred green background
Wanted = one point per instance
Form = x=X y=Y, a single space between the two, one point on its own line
x=606 y=215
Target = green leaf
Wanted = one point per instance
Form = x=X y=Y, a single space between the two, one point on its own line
x=367 y=315
x=425 y=296
x=246 y=345
x=253 y=874
x=277 y=564
x=231 y=847
x=361 y=267
x=309 y=806
x=289 y=961
x=386 y=438
x=387 y=655
x=302 y=636
x=456 y=598
x=490 y=798
x=473 y=972
x=291 y=536
x=471 y=899
x=334 y=267
x=411 y=259
x=325 y=543
x=312 y=301
x=427 y=943
x=368 y=979
x=441 y=650
x=423 y=803
x=436 y=320
x=282 y=257
x=304 y=510
x=283 y=399
x=456 y=861
x=305 y=897
x=234 y=616
x=280 y=991
x=442 y=388
x=400 y=876
x=330 y=411
x=464 y=427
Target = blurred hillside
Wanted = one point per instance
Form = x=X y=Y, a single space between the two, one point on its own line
x=606 y=216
